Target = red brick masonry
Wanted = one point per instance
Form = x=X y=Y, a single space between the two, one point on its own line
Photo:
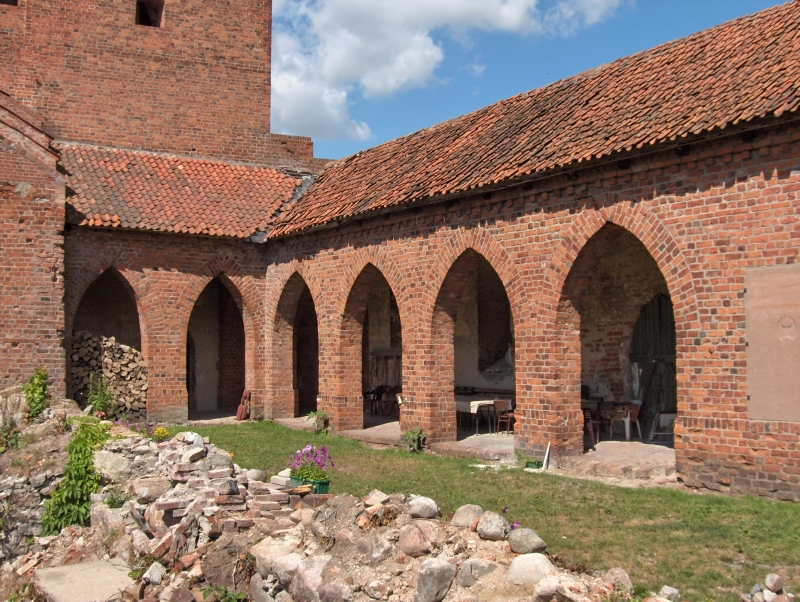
x=693 y=148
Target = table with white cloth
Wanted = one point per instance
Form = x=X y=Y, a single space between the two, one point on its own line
x=467 y=404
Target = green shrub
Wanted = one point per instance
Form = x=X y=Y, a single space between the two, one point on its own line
x=36 y=395
x=415 y=439
x=71 y=503
x=99 y=395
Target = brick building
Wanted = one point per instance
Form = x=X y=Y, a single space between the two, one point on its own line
x=630 y=232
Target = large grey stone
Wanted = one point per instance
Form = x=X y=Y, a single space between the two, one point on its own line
x=417 y=538
x=285 y=568
x=493 y=527
x=254 y=474
x=562 y=587
x=466 y=515
x=87 y=582
x=620 y=578
x=376 y=548
x=422 y=507
x=526 y=541
x=219 y=459
x=155 y=574
x=112 y=467
x=266 y=551
x=308 y=580
x=149 y=489
x=434 y=580
x=257 y=592
x=774 y=582
x=670 y=593
x=473 y=569
x=529 y=569
x=335 y=592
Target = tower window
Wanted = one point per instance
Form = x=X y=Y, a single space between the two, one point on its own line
x=149 y=12
x=10 y=2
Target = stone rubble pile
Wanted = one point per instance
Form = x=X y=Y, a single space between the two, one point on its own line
x=122 y=367
x=771 y=590
x=23 y=488
x=195 y=519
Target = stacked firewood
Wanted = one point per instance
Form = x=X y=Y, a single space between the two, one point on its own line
x=121 y=367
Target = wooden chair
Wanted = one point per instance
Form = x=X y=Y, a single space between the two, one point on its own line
x=372 y=399
x=504 y=415
x=589 y=426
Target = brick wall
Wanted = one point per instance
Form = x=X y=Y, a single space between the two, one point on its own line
x=167 y=273
x=98 y=77
x=704 y=214
x=31 y=281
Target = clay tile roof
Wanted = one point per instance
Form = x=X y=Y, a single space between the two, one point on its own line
x=151 y=191
x=739 y=71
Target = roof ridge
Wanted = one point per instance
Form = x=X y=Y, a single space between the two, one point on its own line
x=696 y=84
x=59 y=143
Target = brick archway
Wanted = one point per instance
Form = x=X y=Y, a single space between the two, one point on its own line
x=557 y=418
x=346 y=403
x=246 y=294
x=282 y=392
x=433 y=406
x=148 y=305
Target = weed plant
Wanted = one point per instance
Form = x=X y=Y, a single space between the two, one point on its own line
x=36 y=395
x=71 y=503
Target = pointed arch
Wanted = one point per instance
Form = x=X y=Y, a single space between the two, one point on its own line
x=471 y=271
x=559 y=311
x=348 y=410
x=284 y=391
x=484 y=243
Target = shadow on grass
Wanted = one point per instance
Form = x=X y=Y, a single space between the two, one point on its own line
x=708 y=546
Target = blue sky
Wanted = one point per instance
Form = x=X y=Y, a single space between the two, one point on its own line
x=355 y=73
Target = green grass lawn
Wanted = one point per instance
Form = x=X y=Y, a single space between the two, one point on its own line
x=708 y=546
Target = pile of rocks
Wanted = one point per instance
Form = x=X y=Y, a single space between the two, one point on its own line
x=195 y=519
x=769 y=591
x=122 y=367
x=30 y=475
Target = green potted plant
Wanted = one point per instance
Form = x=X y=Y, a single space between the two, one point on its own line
x=309 y=466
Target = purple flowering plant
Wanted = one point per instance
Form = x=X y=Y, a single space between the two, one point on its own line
x=310 y=463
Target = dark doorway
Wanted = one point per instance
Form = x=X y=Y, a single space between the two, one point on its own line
x=381 y=354
x=215 y=351
x=108 y=309
x=653 y=358
x=306 y=360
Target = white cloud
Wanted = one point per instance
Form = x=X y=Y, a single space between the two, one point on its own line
x=325 y=51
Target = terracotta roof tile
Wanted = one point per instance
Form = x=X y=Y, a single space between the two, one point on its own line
x=739 y=71
x=151 y=191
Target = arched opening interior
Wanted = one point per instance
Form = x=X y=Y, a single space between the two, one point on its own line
x=215 y=351
x=473 y=318
x=372 y=343
x=306 y=354
x=106 y=346
x=618 y=298
x=382 y=356
x=108 y=309
x=295 y=352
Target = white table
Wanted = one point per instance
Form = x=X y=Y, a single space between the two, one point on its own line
x=468 y=405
